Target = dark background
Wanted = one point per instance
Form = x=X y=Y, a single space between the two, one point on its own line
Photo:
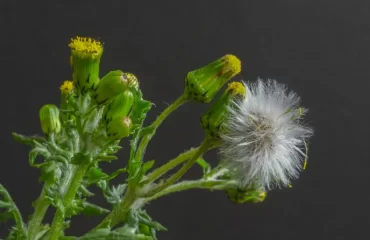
x=319 y=48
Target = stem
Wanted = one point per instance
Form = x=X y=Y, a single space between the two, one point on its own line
x=38 y=215
x=200 y=151
x=145 y=140
x=185 y=185
x=58 y=221
x=157 y=173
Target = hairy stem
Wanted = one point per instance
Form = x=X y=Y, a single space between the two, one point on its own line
x=35 y=222
x=157 y=173
x=145 y=140
x=206 y=144
x=211 y=184
x=58 y=221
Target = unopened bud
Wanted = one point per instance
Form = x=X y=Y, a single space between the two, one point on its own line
x=112 y=84
x=120 y=106
x=244 y=195
x=212 y=121
x=119 y=127
x=202 y=85
x=49 y=118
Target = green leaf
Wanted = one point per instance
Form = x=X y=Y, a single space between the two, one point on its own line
x=106 y=158
x=94 y=175
x=90 y=209
x=27 y=140
x=116 y=173
x=85 y=192
x=36 y=152
x=204 y=164
x=114 y=195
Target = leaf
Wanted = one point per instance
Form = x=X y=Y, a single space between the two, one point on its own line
x=94 y=175
x=106 y=158
x=85 y=192
x=147 y=220
x=204 y=164
x=114 y=195
x=90 y=209
x=36 y=152
x=116 y=173
x=27 y=140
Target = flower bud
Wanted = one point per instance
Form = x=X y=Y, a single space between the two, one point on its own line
x=112 y=84
x=66 y=90
x=120 y=106
x=212 y=121
x=119 y=127
x=202 y=85
x=246 y=195
x=49 y=118
x=85 y=60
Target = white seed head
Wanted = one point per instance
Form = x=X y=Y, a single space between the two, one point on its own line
x=265 y=140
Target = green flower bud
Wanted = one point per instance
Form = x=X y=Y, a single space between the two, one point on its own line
x=246 y=195
x=119 y=127
x=49 y=118
x=112 y=84
x=120 y=106
x=202 y=85
x=212 y=121
x=85 y=60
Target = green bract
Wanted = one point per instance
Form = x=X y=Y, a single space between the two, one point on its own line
x=201 y=85
x=49 y=118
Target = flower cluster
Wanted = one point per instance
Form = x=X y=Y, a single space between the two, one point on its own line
x=257 y=127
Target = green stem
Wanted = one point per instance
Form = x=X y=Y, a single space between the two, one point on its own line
x=58 y=221
x=211 y=184
x=157 y=173
x=206 y=144
x=145 y=140
x=40 y=209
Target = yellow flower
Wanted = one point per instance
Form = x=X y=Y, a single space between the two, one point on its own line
x=86 y=47
x=66 y=87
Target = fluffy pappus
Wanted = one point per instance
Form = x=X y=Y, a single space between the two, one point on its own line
x=265 y=140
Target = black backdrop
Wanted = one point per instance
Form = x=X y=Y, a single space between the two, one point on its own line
x=319 y=48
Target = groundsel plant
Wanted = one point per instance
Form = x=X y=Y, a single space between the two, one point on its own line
x=257 y=127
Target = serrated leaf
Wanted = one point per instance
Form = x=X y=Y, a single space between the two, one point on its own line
x=113 y=195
